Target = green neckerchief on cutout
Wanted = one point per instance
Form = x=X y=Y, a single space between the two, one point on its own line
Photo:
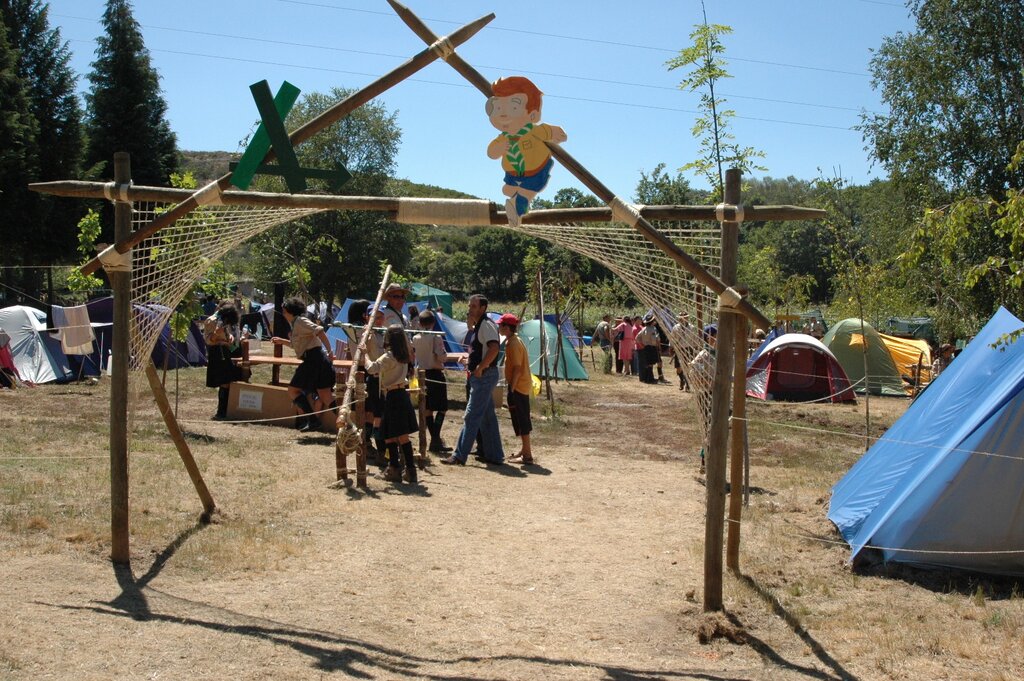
x=515 y=154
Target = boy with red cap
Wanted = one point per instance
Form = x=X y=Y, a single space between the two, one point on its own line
x=519 y=380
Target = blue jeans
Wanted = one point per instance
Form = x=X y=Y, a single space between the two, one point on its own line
x=480 y=417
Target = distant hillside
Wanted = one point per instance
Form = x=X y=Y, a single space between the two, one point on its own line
x=207 y=165
x=398 y=187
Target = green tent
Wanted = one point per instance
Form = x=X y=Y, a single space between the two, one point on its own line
x=847 y=342
x=568 y=362
x=435 y=296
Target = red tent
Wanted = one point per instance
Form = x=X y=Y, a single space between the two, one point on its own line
x=798 y=367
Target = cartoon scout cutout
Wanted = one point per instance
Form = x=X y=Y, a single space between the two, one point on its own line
x=515 y=111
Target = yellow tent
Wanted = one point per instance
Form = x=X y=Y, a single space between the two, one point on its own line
x=906 y=353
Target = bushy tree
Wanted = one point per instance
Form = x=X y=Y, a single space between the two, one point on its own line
x=954 y=90
x=955 y=94
x=125 y=108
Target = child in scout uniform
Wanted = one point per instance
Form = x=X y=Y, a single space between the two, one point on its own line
x=399 y=417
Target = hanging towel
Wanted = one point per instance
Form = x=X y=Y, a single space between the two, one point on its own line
x=76 y=332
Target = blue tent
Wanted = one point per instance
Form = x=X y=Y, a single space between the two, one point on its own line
x=945 y=486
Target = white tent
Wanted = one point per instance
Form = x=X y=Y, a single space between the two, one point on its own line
x=37 y=354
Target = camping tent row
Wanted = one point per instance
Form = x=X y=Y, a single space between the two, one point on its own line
x=943 y=486
x=39 y=356
x=851 y=356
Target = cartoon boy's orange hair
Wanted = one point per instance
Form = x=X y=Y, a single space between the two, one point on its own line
x=506 y=87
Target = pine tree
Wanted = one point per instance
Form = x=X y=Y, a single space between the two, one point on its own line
x=18 y=130
x=125 y=109
x=43 y=64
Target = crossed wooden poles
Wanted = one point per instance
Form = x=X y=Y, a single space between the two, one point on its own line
x=730 y=214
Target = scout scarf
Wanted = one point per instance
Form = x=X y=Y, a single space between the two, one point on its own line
x=515 y=154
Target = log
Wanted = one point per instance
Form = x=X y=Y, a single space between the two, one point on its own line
x=390 y=205
x=120 y=284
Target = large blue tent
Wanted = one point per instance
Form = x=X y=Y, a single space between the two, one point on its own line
x=945 y=485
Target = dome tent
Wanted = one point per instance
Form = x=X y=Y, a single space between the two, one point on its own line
x=849 y=341
x=798 y=367
x=562 y=364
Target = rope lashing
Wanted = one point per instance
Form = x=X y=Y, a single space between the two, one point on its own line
x=113 y=261
x=624 y=212
x=720 y=213
x=350 y=439
x=729 y=299
x=209 y=195
x=443 y=48
x=414 y=211
x=117 y=192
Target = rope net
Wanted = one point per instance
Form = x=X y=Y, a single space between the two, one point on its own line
x=661 y=285
x=166 y=266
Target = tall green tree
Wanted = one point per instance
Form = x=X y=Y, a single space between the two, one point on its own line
x=43 y=63
x=18 y=163
x=954 y=89
x=718 y=149
x=125 y=108
x=955 y=93
x=338 y=253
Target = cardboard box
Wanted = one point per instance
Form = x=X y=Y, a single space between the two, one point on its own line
x=250 y=401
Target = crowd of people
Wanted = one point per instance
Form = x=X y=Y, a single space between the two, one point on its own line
x=637 y=346
x=401 y=340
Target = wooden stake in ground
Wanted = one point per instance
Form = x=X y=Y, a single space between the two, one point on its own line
x=345 y=425
x=160 y=395
x=119 y=270
x=718 y=436
x=737 y=444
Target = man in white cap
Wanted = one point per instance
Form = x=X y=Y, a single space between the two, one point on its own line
x=394 y=299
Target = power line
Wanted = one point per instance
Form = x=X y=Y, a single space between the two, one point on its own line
x=463 y=85
x=505 y=69
x=560 y=36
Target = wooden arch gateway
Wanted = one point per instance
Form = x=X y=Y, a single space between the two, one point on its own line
x=637 y=220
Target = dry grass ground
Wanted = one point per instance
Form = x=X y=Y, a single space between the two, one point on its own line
x=588 y=566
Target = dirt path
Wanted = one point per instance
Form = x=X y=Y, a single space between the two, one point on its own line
x=585 y=567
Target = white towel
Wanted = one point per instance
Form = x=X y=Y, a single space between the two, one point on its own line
x=76 y=331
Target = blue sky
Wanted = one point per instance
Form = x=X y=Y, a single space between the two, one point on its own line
x=800 y=76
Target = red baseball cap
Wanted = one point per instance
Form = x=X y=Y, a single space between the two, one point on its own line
x=508 y=320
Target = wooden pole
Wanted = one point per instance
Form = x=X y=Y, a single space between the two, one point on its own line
x=544 y=342
x=736 y=446
x=121 y=288
x=390 y=205
x=718 y=438
x=330 y=116
x=588 y=180
x=345 y=408
x=160 y=395
x=421 y=379
x=279 y=323
x=360 y=416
